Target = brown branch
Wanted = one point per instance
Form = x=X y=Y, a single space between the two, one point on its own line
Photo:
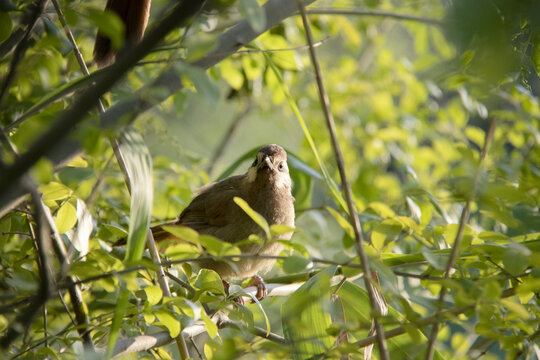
x=464 y=219
x=325 y=103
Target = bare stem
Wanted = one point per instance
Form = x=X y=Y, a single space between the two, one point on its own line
x=325 y=103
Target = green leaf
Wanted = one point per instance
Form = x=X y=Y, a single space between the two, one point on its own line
x=385 y=233
x=217 y=247
x=183 y=233
x=54 y=191
x=109 y=24
x=139 y=168
x=255 y=216
x=116 y=230
x=182 y=251
x=305 y=316
x=344 y=223
x=491 y=291
x=255 y=15
x=211 y=328
x=279 y=229
x=435 y=259
x=153 y=294
x=516 y=258
x=295 y=264
x=209 y=280
x=169 y=320
x=66 y=218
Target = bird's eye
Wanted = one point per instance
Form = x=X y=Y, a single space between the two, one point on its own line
x=254 y=163
x=281 y=165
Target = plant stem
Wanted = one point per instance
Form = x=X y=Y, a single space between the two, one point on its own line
x=325 y=103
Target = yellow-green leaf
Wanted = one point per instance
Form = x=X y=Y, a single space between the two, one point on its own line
x=211 y=328
x=54 y=191
x=66 y=218
x=183 y=233
x=255 y=216
x=169 y=320
x=153 y=294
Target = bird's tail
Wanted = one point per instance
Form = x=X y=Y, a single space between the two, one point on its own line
x=134 y=15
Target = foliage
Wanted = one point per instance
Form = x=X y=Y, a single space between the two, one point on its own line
x=413 y=101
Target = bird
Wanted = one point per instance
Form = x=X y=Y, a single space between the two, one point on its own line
x=134 y=15
x=267 y=189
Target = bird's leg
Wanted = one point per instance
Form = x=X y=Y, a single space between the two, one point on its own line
x=261 y=287
x=226 y=286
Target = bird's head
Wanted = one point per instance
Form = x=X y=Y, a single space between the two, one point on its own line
x=270 y=165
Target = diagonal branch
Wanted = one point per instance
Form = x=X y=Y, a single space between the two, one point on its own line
x=464 y=219
x=368 y=277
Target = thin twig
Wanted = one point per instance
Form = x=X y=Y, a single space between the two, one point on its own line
x=464 y=219
x=257 y=331
x=325 y=103
x=247 y=51
x=386 y=14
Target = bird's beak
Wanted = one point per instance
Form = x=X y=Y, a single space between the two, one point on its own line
x=269 y=163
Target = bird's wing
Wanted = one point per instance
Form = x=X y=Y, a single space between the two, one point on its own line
x=213 y=206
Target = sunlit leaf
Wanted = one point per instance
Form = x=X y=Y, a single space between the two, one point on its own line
x=169 y=320
x=153 y=294
x=211 y=327
x=255 y=216
x=66 y=217
x=305 y=317
x=54 y=191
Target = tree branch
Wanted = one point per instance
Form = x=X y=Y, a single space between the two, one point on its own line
x=375 y=298
x=464 y=219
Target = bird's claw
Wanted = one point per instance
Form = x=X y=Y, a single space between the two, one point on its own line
x=262 y=291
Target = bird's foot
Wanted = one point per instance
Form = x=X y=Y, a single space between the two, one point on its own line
x=226 y=286
x=261 y=287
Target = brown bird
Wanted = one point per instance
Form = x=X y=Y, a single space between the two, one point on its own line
x=134 y=15
x=266 y=187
